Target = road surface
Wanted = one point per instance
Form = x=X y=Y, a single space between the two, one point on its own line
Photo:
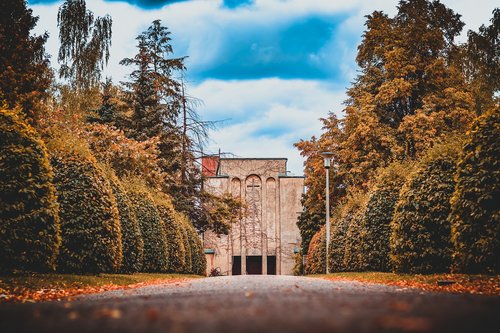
x=259 y=304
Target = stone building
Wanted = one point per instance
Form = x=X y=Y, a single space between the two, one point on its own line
x=265 y=240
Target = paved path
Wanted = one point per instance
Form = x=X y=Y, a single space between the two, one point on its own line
x=259 y=304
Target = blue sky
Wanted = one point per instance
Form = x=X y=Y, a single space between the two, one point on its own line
x=272 y=68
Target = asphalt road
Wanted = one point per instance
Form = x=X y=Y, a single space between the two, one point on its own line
x=259 y=304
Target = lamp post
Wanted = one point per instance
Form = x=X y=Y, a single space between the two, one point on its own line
x=327 y=156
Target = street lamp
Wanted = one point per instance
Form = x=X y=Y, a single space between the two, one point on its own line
x=327 y=156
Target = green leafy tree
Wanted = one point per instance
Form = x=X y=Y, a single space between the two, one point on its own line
x=25 y=76
x=85 y=42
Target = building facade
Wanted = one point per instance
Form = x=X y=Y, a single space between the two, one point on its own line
x=265 y=240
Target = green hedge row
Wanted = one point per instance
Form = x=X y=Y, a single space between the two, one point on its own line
x=420 y=239
x=316 y=254
x=29 y=215
x=440 y=215
x=90 y=225
x=152 y=230
x=475 y=205
x=68 y=212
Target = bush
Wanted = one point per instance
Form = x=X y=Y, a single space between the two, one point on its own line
x=344 y=252
x=337 y=243
x=29 y=221
x=90 y=225
x=420 y=231
x=132 y=243
x=353 y=255
x=198 y=259
x=176 y=251
x=378 y=215
x=152 y=230
x=316 y=254
x=475 y=213
x=188 y=259
x=298 y=267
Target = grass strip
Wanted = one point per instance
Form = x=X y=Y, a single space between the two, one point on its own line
x=33 y=287
x=454 y=283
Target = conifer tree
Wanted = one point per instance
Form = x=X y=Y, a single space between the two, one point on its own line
x=24 y=67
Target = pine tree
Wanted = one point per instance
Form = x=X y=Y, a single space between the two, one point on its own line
x=482 y=63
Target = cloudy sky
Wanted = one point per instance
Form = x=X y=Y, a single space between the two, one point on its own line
x=270 y=68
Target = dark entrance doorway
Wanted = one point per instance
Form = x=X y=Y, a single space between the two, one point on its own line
x=271 y=265
x=254 y=265
x=236 y=265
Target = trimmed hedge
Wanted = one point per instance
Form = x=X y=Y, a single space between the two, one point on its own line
x=152 y=230
x=353 y=255
x=298 y=267
x=29 y=222
x=132 y=242
x=198 y=260
x=175 y=244
x=188 y=259
x=316 y=254
x=345 y=253
x=475 y=213
x=420 y=230
x=90 y=225
x=376 y=223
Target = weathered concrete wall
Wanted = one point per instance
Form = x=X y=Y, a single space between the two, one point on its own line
x=269 y=228
x=291 y=189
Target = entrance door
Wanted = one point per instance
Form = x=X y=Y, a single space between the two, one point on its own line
x=254 y=265
x=236 y=265
x=271 y=265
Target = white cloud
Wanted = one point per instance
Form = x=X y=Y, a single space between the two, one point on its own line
x=292 y=107
x=268 y=115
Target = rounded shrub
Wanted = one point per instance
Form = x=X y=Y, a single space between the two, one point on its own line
x=420 y=231
x=298 y=267
x=188 y=259
x=344 y=252
x=353 y=256
x=376 y=223
x=176 y=251
x=29 y=220
x=152 y=230
x=338 y=242
x=90 y=225
x=132 y=243
x=316 y=254
x=475 y=213
x=198 y=259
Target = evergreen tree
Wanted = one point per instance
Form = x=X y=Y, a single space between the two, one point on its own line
x=482 y=63
x=24 y=67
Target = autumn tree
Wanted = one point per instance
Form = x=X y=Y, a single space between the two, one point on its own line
x=409 y=95
x=313 y=216
x=24 y=67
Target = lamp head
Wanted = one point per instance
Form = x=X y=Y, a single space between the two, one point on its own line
x=327 y=156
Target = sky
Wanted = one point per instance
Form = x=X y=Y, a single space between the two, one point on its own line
x=269 y=68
